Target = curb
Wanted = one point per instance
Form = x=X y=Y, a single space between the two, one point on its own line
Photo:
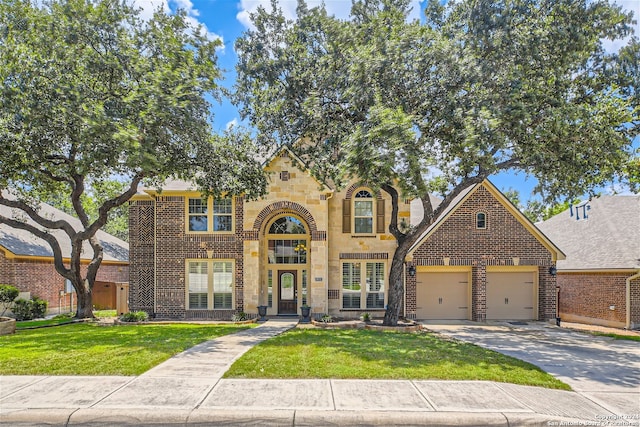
x=99 y=417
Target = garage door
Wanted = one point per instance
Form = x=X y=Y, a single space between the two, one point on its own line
x=442 y=295
x=511 y=296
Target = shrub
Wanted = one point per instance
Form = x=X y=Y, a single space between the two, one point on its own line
x=34 y=308
x=327 y=318
x=366 y=317
x=240 y=316
x=135 y=316
x=8 y=294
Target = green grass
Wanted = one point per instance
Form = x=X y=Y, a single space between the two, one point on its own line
x=617 y=337
x=363 y=354
x=60 y=318
x=104 y=313
x=89 y=349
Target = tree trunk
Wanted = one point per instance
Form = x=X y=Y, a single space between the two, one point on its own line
x=396 y=285
x=85 y=300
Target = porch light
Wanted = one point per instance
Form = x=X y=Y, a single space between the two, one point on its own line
x=412 y=270
x=553 y=271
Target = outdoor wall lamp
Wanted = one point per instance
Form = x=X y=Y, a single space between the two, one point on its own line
x=412 y=270
x=553 y=271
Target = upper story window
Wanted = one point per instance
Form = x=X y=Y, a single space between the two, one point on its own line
x=287 y=225
x=481 y=220
x=198 y=218
x=363 y=212
x=205 y=215
x=222 y=215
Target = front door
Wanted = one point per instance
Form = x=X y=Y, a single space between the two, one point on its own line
x=287 y=297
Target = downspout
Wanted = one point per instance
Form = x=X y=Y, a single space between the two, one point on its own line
x=326 y=257
x=155 y=255
x=629 y=279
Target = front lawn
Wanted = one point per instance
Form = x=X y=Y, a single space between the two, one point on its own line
x=363 y=354
x=89 y=349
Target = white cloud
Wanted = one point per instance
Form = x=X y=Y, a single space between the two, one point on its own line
x=338 y=8
x=627 y=5
x=232 y=124
x=148 y=7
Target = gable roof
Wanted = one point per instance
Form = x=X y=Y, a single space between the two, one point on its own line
x=21 y=243
x=607 y=238
x=181 y=186
x=465 y=194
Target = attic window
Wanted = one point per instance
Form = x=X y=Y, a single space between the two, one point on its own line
x=481 y=221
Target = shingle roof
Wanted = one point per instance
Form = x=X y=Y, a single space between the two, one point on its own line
x=23 y=243
x=607 y=238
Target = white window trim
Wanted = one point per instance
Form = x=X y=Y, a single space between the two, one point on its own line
x=210 y=214
x=373 y=217
x=485 y=220
x=363 y=284
x=210 y=290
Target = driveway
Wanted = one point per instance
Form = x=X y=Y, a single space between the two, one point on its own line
x=602 y=369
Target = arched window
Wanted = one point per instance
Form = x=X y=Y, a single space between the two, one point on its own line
x=363 y=212
x=481 y=220
x=287 y=225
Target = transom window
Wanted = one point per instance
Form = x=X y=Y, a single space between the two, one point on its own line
x=363 y=294
x=210 y=285
x=363 y=212
x=210 y=215
x=287 y=251
x=287 y=225
x=481 y=220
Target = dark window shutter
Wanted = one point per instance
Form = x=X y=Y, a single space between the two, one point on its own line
x=346 y=216
x=380 y=226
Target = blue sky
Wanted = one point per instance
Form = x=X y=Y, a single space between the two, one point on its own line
x=228 y=19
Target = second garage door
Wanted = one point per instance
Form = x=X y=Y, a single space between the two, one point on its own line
x=441 y=296
x=511 y=296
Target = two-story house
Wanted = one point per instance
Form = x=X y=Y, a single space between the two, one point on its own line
x=305 y=243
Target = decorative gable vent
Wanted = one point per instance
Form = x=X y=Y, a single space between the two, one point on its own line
x=284 y=176
x=581 y=210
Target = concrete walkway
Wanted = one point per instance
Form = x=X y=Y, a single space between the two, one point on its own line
x=188 y=390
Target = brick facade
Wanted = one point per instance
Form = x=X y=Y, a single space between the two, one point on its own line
x=171 y=248
x=40 y=278
x=590 y=297
x=160 y=247
x=504 y=242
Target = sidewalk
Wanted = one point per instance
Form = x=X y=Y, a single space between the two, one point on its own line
x=188 y=389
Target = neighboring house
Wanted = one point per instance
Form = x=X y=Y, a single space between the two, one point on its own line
x=306 y=243
x=600 y=279
x=26 y=262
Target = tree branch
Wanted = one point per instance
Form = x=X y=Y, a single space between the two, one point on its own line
x=47 y=237
x=393 y=226
x=44 y=222
x=103 y=211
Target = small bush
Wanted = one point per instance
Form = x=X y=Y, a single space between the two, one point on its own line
x=240 y=316
x=8 y=293
x=327 y=318
x=35 y=308
x=135 y=316
x=366 y=317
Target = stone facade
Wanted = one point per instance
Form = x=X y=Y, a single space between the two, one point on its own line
x=161 y=248
x=598 y=298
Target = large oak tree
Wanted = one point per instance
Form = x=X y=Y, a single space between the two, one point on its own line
x=90 y=92
x=480 y=87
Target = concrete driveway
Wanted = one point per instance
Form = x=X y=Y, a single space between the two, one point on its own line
x=605 y=370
